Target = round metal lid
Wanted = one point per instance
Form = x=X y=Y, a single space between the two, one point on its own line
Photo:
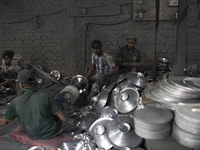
x=98 y=130
x=121 y=135
x=137 y=79
x=109 y=87
x=100 y=100
x=153 y=116
x=109 y=112
x=127 y=100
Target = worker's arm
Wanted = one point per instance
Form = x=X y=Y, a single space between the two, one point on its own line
x=3 y=121
x=91 y=71
x=61 y=116
x=113 y=71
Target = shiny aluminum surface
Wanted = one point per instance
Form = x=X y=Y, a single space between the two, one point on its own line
x=108 y=112
x=122 y=135
x=80 y=82
x=137 y=79
x=152 y=122
x=100 y=100
x=187 y=117
x=185 y=138
x=127 y=100
x=98 y=130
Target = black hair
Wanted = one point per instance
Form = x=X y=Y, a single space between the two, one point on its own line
x=8 y=53
x=96 y=43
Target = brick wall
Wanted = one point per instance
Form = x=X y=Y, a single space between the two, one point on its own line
x=57 y=35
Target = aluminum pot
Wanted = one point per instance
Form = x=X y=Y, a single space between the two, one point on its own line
x=98 y=130
x=127 y=100
x=122 y=135
x=137 y=79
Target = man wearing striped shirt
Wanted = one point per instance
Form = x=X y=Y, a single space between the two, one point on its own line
x=101 y=70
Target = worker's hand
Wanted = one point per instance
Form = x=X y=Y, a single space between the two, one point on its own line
x=101 y=78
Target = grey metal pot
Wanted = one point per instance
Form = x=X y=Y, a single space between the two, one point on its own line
x=98 y=130
x=137 y=79
x=127 y=100
x=80 y=82
x=122 y=135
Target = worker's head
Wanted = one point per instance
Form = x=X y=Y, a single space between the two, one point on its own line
x=26 y=77
x=132 y=41
x=96 y=47
x=8 y=57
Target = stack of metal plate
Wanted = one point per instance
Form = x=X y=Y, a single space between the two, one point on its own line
x=186 y=128
x=174 y=90
x=153 y=123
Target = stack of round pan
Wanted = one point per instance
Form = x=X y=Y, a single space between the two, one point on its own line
x=186 y=127
x=153 y=123
x=174 y=90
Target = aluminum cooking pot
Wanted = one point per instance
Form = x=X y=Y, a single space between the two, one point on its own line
x=122 y=135
x=98 y=130
x=137 y=79
x=127 y=100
